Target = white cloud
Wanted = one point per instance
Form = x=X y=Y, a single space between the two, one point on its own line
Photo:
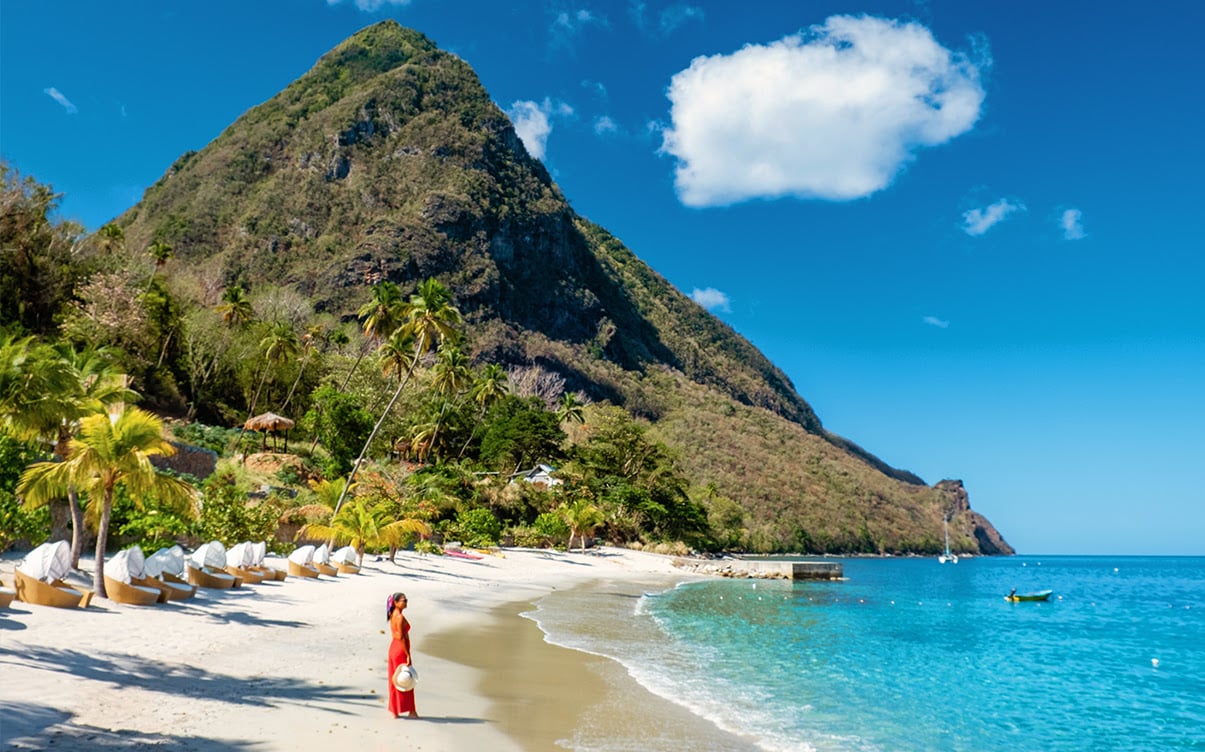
x=934 y=321
x=834 y=113
x=57 y=96
x=975 y=222
x=597 y=87
x=604 y=125
x=533 y=122
x=676 y=15
x=569 y=23
x=1072 y=223
x=711 y=299
x=371 y=6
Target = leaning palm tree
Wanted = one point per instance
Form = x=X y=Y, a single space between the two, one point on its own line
x=381 y=316
x=112 y=449
x=491 y=385
x=279 y=345
x=451 y=376
x=430 y=318
x=314 y=336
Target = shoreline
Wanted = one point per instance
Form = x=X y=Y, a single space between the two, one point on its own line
x=271 y=666
x=548 y=697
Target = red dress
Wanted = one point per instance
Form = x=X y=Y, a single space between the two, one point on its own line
x=399 y=654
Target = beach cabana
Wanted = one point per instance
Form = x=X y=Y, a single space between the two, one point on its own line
x=165 y=570
x=299 y=562
x=6 y=595
x=269 y=423
x=124 y=576
x=39 y=578
x=345 y=560
x=322 y=562
x=258 y=552
x=207 y=568
x=238 y=560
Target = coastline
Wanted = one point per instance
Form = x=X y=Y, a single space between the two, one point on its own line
x=549 y=698
x=271 y=666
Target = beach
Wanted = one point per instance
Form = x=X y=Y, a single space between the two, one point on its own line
x=294 y=664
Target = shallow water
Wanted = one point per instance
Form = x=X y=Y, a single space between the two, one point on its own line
x=909 y=654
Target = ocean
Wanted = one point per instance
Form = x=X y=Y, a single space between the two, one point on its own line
x=909 y=654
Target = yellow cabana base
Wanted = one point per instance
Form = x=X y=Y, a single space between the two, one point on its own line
x=58 y=593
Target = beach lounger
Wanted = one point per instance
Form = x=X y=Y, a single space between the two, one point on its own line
x=172 y=591
x=123 y=580
x=321 y=560
x=131 y=594
x=164 y=570
x=6 y=595
x=299 y=562
x=207 y=568
x=39 y=578
x=345 y=560
x=58 y=593
x=238 y=561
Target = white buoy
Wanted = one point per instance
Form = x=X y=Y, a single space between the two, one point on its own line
x=1155 y=663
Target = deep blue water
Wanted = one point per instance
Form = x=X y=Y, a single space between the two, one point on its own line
x=909 y=654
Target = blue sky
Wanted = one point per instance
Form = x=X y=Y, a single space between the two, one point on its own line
x=972 y=235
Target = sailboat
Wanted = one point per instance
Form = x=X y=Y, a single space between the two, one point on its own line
x=947 y=557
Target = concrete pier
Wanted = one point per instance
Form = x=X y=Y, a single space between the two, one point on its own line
x=766 y=569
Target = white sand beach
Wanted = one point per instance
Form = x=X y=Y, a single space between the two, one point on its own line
x=301 y=663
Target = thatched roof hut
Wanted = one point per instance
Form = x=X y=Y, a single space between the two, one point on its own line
x=269 y=423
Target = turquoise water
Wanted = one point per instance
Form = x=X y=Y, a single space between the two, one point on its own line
x=909 y=654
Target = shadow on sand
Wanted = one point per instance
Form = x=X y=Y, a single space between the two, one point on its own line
x=38 y=727
x=180 y=680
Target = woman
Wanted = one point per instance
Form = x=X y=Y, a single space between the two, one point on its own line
x=399 y=654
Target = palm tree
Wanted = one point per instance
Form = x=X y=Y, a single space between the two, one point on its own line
x=570 y=409
x=44 y=391
x=431 y=318
x=395 y=353
x=236 y=308
x=112 y=449
x=161 y=253
x=361 y=524
x=278 y=345
x=492 y=385
x=112 y=237
x=451 y=376
x=314 y=335
x=381 y=316
x=582 y=517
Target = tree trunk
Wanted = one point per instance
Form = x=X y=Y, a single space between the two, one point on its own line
x=375 y=429
x=77 y=527
x=102 y=534
x=60 y=520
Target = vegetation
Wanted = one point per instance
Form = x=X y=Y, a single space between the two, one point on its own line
x=419 y=296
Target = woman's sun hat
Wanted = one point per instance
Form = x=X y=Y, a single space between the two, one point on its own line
x=405 y=677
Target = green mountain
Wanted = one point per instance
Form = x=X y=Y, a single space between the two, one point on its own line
x=389 y=161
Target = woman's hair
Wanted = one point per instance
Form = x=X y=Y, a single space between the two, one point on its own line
x=390 y=602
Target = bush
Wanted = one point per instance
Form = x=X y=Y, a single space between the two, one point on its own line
x=226 y=515
x=477 y=528
x=552 y=525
